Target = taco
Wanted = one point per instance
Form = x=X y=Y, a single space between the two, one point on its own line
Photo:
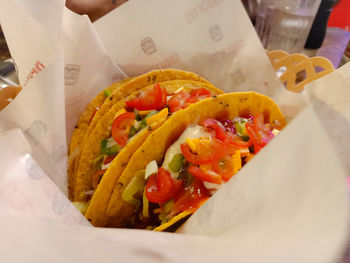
x=82 y=126
x=189 y=157
x=109 y=104
x=123 y=130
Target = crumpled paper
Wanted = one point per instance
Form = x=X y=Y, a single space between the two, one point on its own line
x=290 y=197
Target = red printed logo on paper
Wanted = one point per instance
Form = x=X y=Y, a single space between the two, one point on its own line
x=38 y=67
x=168 y=62
x=199 y=9
x=71 y=74
x=148 y=46
x=216 y=33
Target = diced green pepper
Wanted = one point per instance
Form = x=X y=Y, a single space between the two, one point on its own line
x=138 y=117
x=145 y=205
x=245 y=138
x=240 y=127
x=107 y=93
x=132 y=131
x=136 y=184
x=187 y=177
x=109 y=147
x=163 y=218
x=143 y=124
x=176 y=163
x=168 y=205
x=98 y=161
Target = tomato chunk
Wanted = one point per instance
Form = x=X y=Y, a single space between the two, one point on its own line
x=154 y=99
x=224 y=166
x=109 y=159
x=178 y=101
x=190 y=198
x=208 y=176
x=161 y=187
x=121 y=127
x=218 y=127
x=199 y=94
x=196 y=158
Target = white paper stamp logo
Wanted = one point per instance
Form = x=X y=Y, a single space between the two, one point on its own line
x=59 y=203
x=37 y=130
x=237 y=77
x=148 y=46
x=33 y=170
x=71 y=74
x=216 y=33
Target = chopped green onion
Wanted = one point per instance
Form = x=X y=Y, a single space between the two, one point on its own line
x=136 y=184
x=145 y=203
x=143 y=123
x=163 y=218
x=107 y=93
x=98 y=161
x=132 y=131
x=168 y=205
x=187 y=177
x=138 y=117
x=109 y=147
x=176 y=163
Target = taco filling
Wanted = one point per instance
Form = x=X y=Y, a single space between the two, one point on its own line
x=149 y=107
x=194 y=167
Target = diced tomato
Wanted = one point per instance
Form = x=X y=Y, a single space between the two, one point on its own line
x=161 y=187
x=121 y=127
x=264 y=133
x=96 y=178
x=190 y=198
x=154 y=99
x=198 y=94
x=237 y=141
x=109 y=159
x=197 y=159
x=220 y=131
x=229 y=125
x=224 y=166
x=178 y=101
x=259 y=134
x=208 y=176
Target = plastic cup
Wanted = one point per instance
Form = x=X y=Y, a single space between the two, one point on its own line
x=285 y=24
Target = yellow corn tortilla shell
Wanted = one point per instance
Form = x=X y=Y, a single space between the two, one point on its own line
x=154 y=148
x=80 y=130
x=96 y=212
x=140 y=82
x=123 y=91
x=172 y=221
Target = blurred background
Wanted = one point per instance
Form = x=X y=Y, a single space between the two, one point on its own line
x=312 y=27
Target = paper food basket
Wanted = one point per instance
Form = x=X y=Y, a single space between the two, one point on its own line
x=289 y=204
